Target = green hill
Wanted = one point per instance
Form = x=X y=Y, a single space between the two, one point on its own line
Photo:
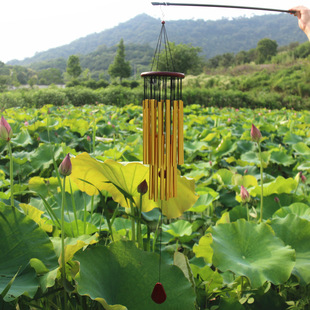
x=214 y=37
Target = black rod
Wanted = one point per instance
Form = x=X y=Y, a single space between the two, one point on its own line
x=223 y=6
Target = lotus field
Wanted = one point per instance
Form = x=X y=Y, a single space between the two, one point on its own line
x=77 y=230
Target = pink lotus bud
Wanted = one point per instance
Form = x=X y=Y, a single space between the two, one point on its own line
x=6 y=132
x=302 y=177
x=255 y=134
x=245 y=196
x=159 y=294
x=229 y=120
x=142 y=187
x=88 y=138
x=109 y=123
x=26 y=123
x=65 y=167
x=276 y=199
x=245 y=171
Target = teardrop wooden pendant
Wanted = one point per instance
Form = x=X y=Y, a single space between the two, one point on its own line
x=159 y=295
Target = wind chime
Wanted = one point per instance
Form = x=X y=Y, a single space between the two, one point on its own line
x=163 y=125
x=163 y=147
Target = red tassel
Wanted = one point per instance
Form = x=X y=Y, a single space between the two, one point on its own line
x=159 y=294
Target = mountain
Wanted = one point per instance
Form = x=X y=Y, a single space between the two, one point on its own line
x=214 y=37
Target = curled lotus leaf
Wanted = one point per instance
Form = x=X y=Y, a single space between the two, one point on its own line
x=121 y=180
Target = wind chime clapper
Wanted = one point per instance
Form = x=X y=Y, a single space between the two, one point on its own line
x=163 y=146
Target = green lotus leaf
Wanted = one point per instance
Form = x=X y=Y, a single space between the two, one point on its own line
x=121 y=277
x=281 y=158
x=22 y=139
x=42 y=158
x=225 y=147
x=35 y=215
x=21 y=157
x=224 y=176
x=245 y=146
x=298 y=208
x=301 y=148
x=295 y=232
x=212 y=279
x=204 y=249
x=72 y=245
x=304 y=166
x=181 y=260
x=179 y=228
x=252 y=250
x=82 y=126
x=204 y=201
x=291 y=138
x=278 y=186
x=230 y=304
x=122 y=180
x=44 y=186
x=22 y=240
x=245 y=180
x=253 y=157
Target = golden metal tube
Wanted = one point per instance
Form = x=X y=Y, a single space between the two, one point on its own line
x=162 y=183
x=160 y=133
x=153 y=131
x=146 y=127
x=155 y=174
x=174 y=132
x=151 y=186
x=175 y=181
x=181 y=135
x=145 y=131
x=168 y=148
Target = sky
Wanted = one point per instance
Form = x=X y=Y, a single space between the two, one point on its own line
x=31 y=26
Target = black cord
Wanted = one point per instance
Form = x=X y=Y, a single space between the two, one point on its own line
x=223 y=6
x=160 y=239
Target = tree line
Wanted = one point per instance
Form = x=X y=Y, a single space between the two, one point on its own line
x=122 y=65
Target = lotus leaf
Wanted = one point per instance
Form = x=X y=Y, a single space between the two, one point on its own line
x=301 y=148
x=122 y=277
x=278 y=186
x=204 y=249
x=252 y=250
x=282 y=158
x=295 y=232
x=298 y=208
x=22 y=240
x=122 y=180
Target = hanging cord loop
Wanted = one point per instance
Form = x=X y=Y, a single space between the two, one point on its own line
x=163 y=40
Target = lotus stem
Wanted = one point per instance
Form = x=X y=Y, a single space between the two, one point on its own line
x=133 y=224
x=11 y=173
x=261 y=183
x=63 y=260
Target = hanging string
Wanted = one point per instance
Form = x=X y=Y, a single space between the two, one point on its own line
x=160 y=239
x=163 y=39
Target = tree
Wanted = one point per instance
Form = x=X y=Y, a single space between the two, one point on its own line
x=266 y=48
x=120 y=68
x=49 y=76
x=73 y=66
x=185 y=58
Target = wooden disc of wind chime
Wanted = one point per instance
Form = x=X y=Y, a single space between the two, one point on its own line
x=163 y=126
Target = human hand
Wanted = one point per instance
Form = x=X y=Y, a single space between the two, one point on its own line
x=303 y=15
